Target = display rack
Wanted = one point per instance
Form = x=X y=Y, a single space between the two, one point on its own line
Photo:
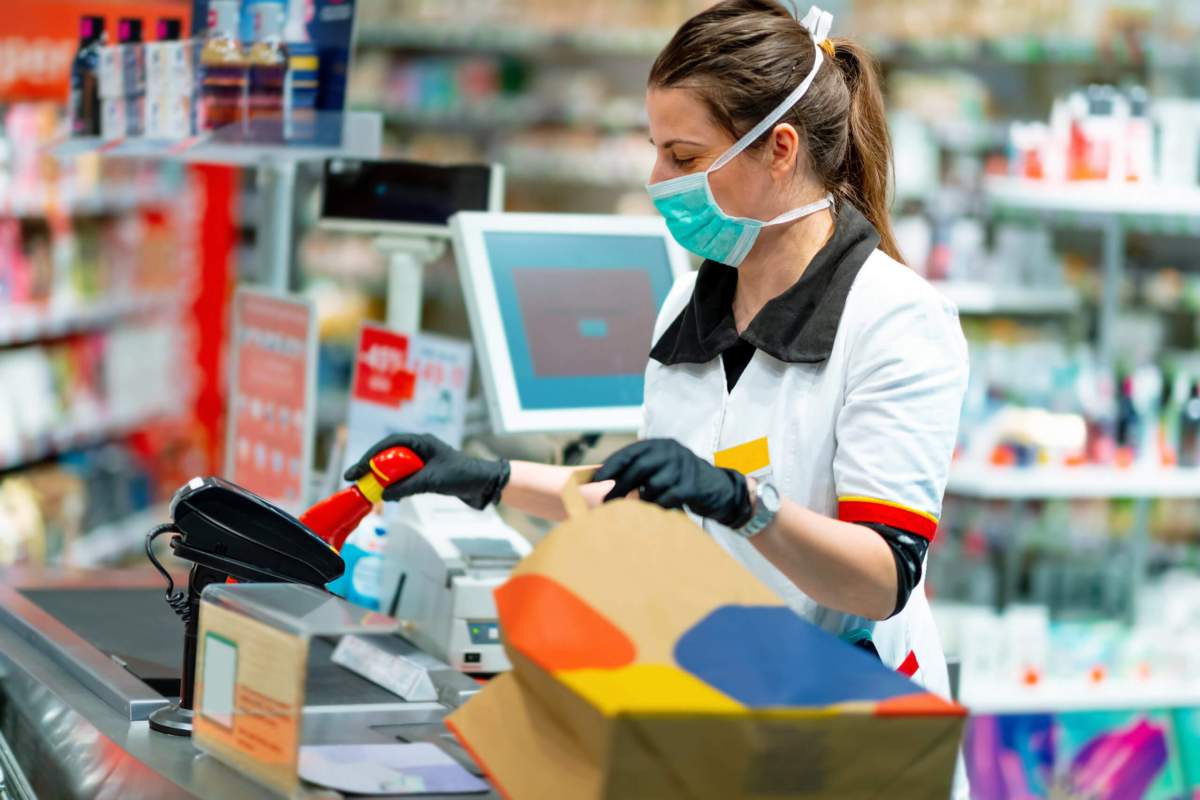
x=523 y=40
x=362 y=137
x=33 y=205
x=1072 y=483
x=1064 y=696
x=1087 y=199
x=24 y=324
x=76 y=436
x=107 y=544
x=976 y=298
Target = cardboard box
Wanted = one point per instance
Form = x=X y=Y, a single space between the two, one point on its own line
x=647 y=663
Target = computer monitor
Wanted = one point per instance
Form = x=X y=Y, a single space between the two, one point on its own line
x=405 y=198
x=562 y=310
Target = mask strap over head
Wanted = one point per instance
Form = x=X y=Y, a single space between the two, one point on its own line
x=818 y=24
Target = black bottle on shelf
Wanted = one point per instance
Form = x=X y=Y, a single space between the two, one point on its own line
x=85 y=78
x=1189 y=429
x=1129 y=421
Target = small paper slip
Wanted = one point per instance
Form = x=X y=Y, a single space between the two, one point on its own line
x=386 y=769
x=377 y=659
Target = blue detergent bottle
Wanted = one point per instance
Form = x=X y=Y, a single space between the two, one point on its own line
x=363 y=555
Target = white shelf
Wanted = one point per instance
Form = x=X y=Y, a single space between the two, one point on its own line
x=75 y=436
x=1081 y=483
x=522 y=40
x=1093 y=198
x=23 y=324
x=362 y=138
x=979 y=298
x=28 y=205
x=107 y=544
x=1063 y=696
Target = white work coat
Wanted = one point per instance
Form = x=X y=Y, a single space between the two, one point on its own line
x=859 y=421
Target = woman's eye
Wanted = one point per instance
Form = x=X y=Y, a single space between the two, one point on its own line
x=683 y=163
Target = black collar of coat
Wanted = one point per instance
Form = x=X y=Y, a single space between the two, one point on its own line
x=797 y=327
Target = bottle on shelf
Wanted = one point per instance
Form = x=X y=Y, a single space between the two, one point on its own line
x=85 y=78
x=1129 y=424
x=133 y=70
x=168 y=84
x=223 y=68
x=1189 y=429
x=268 y=59
x=303 y=77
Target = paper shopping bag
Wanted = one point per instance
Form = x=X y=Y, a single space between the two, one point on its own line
x=648 y=663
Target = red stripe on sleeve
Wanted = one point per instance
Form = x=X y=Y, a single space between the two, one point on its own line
x=884 y=514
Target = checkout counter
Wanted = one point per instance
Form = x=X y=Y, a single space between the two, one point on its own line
x=87 y=656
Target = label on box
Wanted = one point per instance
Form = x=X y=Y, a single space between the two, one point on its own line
x=250 y=696
x=112 y=119
x=111 y=73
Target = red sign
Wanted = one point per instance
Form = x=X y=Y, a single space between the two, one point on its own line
x=271 y=414
x=382 y=373
x=38 y=39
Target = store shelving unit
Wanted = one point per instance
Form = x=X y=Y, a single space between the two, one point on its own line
x=513 y=39
x=1072 y=483
x=1065 y=697
x=362 y=137
x=76 y=436
x=975 y=298
x=113 y=200
x=109 y=543
x=25 y=324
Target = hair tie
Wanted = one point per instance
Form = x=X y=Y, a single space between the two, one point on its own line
x=828 y=47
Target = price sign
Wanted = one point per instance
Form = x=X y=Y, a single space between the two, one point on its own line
x=272 y=397
x=410 y=383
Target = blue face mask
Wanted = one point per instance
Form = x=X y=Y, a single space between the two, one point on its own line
x=693 y=215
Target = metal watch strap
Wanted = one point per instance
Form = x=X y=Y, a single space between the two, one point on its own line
x=763 y=514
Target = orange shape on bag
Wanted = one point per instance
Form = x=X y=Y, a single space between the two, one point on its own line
x=556 y=629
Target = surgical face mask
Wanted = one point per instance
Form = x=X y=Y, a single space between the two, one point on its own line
x=693 y=215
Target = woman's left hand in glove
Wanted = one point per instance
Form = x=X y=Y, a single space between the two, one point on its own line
x=669 y=475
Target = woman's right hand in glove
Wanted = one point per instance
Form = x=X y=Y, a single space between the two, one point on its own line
x=476 y=481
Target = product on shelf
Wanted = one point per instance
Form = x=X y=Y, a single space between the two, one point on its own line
x=133 y=72
x=85 y=82
x=224 y=67
x=267 y=76
x=303 y=76
x=170 y=82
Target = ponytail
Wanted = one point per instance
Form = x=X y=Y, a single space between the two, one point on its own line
x=866 y=170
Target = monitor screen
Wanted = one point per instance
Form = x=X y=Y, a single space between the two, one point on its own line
x=402 y=192
x=576 y=308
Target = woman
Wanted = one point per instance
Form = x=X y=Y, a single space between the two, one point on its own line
x=803 y=389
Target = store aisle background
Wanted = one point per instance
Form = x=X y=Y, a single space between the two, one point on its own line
x=1047 y=179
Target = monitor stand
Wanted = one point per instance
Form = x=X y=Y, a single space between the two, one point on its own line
x=407 y=258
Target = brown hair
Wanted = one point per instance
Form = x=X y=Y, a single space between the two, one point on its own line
x=743 y=57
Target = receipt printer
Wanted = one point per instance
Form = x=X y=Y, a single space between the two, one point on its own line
x=442 y=563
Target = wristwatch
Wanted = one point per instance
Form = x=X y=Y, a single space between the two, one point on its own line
x=766 y=506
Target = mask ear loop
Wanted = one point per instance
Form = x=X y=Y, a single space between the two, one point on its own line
x=818 y=23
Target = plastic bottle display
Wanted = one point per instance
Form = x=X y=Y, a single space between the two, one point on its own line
x=1189 y=429
x=223 y=69
x=303 y=77
x=85 y=80
x=268 y=61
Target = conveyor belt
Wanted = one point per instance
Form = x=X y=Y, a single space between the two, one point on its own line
x=135 y=625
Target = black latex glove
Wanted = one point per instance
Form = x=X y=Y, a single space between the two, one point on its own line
x=668 y=474
x=475 y=481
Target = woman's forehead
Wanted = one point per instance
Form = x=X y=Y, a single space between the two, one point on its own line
x=679 y=116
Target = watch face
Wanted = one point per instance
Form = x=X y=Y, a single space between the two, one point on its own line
x=769 y=497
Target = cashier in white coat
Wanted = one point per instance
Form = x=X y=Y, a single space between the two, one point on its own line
x=803 y=389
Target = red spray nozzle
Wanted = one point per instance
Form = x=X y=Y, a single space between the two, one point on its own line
x=335 y=517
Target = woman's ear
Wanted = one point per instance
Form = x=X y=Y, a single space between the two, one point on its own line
x=784 y=151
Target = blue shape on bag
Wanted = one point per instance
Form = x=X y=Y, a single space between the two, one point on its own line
x=769 y=657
